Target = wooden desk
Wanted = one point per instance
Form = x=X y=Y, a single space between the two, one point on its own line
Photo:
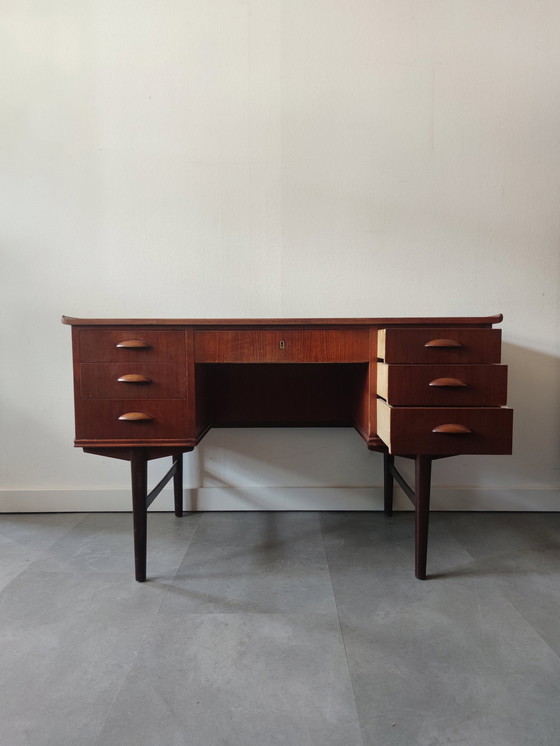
x=423 y=388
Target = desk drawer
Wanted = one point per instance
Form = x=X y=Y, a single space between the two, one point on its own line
x=162 y=420
x=131 y=346
x=131 y=380
x=445 y=431
x=443 y=385
x=282 y=346
x=439 y=345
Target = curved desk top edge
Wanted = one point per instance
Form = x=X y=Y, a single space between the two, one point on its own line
x=377 y=322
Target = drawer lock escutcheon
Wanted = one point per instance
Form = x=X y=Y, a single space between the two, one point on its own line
x=447 y=383
x=135 y=378
x=443 y=343
x=136 y=417
x=133 y=344
x=452 y=429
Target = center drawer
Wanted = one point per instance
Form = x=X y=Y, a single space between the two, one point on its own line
x=282 y=346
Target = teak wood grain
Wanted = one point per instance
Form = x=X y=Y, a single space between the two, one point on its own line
x=102 y=346
x=282 y=346
x=98 y=420
x=410 y=430
x=109 y=381
x=411 y=346
x=294 y=395
x=379 y=322
x=443 y=385
x=417 y=387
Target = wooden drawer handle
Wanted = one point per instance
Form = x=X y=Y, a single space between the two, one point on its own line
x=136 y=417
x=452 y=429
x=443 y=343
x=135 y=378
x=447 y=383
x=133 y=344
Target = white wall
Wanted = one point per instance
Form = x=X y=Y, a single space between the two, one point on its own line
x=222 y=158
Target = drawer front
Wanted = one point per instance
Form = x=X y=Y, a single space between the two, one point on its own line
x=282 y=346
x=442 y=385
x=132 y=380
x=162 y=420
x=131 y=346
x=439 y=345
x=407 y=430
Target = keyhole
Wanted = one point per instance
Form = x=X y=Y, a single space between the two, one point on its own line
x=282 y=345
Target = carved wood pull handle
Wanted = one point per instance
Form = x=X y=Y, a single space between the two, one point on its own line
x=452 y=429
x=447 y=383
x=443 y=343
x=136 y=417
x=133 y=343
x=135 y=378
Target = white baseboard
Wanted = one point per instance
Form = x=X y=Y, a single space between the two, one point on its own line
x=278 y=498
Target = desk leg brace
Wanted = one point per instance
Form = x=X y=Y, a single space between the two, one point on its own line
x=420 y=498
x=142 y=499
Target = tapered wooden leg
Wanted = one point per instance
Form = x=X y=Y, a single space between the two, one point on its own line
x=178 y=485
x=388 y=483
x=423 y=482
x=139 y=473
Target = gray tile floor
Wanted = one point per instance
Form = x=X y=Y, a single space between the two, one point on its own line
x=304 y=629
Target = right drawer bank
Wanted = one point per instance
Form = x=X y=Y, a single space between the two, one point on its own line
x=442 y=392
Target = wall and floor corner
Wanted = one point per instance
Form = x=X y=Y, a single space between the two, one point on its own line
x=276 y=158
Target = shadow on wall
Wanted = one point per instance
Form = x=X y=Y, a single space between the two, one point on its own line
x=287 y=457
x=295 y=457
x=534 y=394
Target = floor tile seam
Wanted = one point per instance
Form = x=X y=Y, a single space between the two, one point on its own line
x=499 y=555
x=42 y=555
x=4 y=588
x=189 y=543
x=453 y=533
x=168 y=586
x=134 y=659
x=318 y=616
x=535 y=630
x=350 y=678
x=502 y=589
x=46 y=551
x=47 y=548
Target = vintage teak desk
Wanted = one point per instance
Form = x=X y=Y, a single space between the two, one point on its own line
x=422 y=388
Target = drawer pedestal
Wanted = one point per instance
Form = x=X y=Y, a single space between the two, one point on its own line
x=420 y=388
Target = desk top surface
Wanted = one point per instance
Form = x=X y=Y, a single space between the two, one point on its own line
x=343 y=322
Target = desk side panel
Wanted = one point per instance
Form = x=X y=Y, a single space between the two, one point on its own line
x=365 y=413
